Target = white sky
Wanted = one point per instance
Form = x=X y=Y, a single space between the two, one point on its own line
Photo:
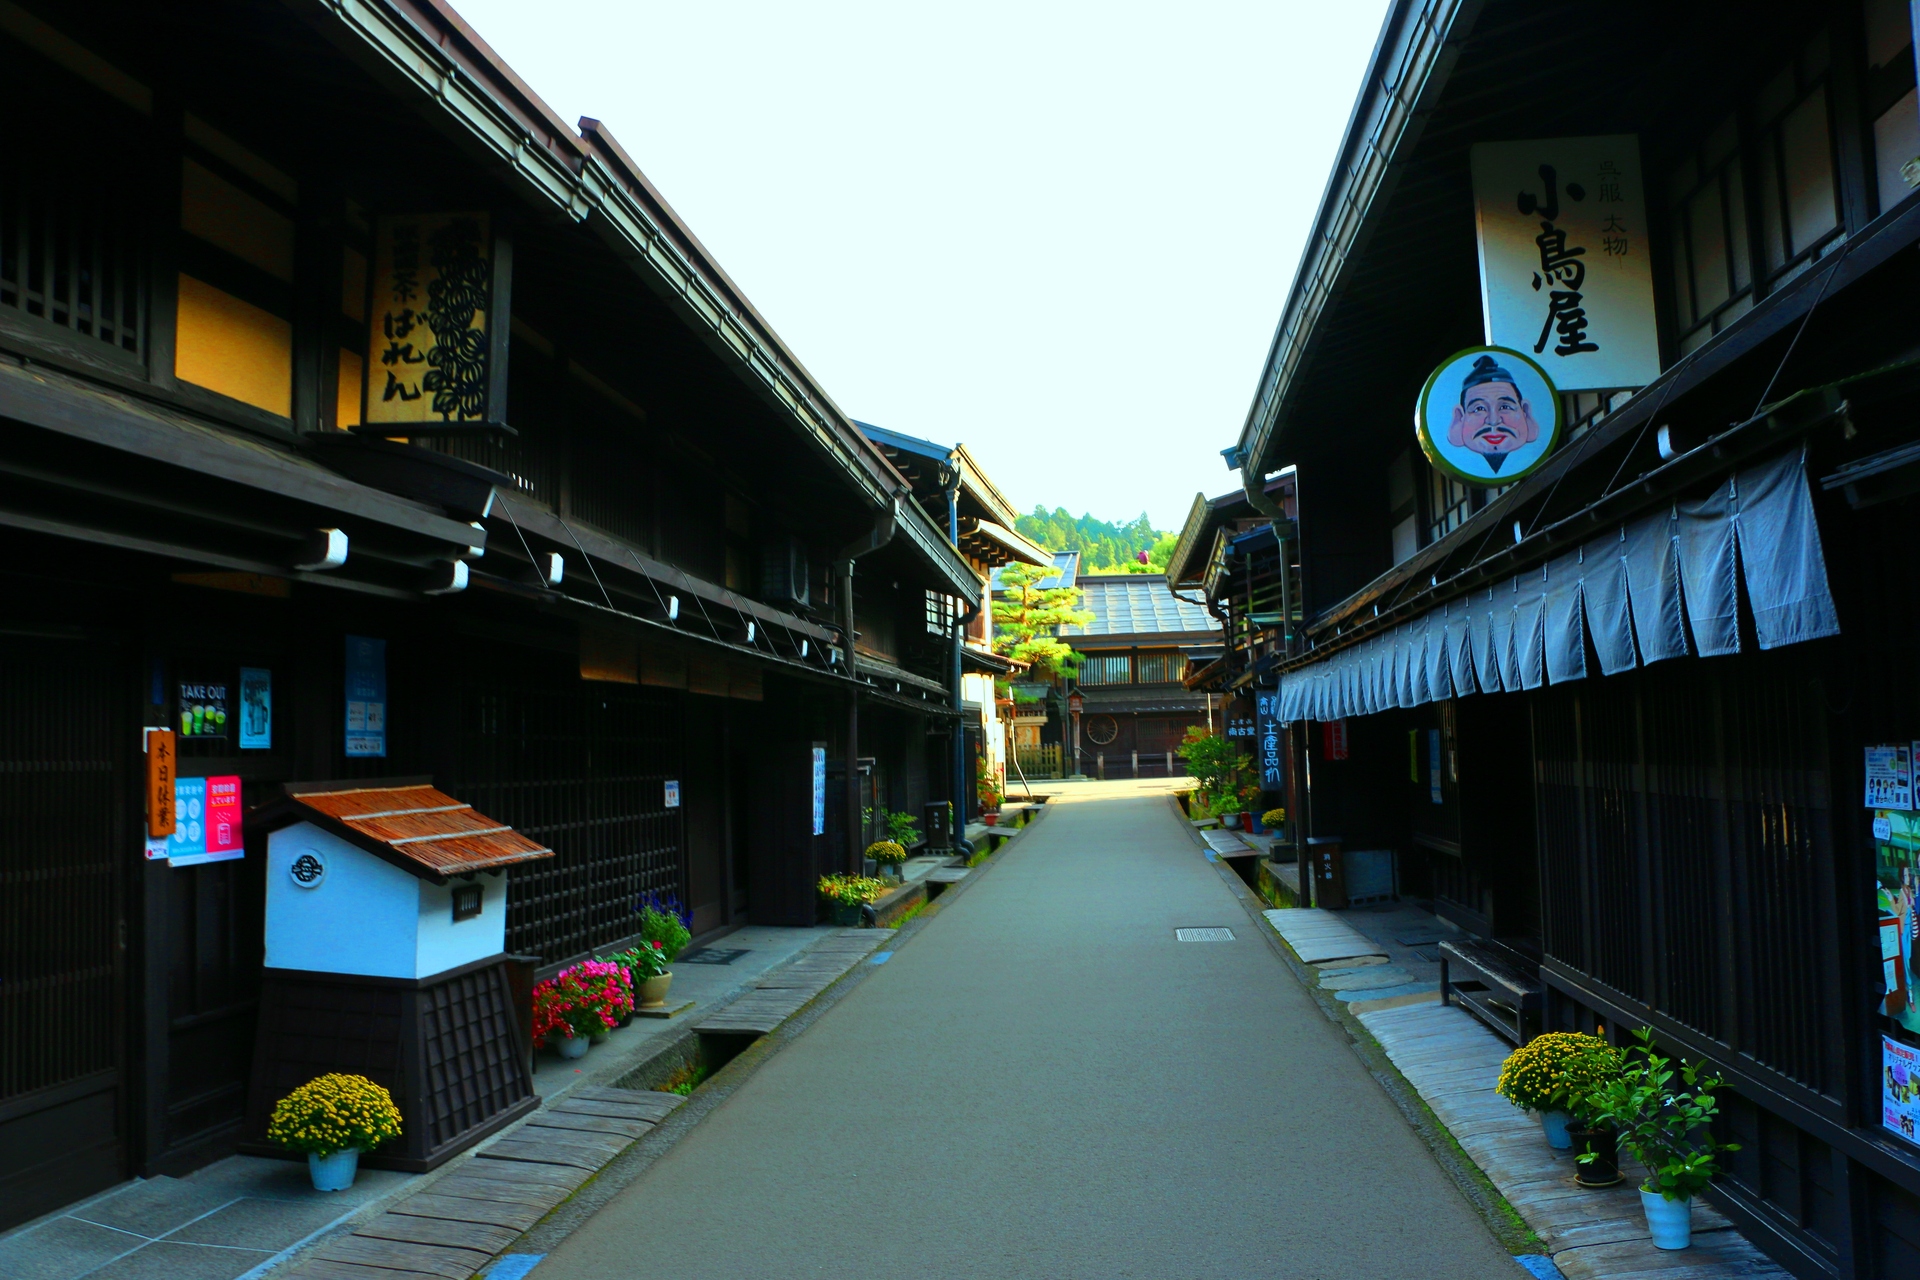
x=1058 y=233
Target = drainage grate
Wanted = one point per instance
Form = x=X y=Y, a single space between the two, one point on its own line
x=1215 y=933
x=710 y=955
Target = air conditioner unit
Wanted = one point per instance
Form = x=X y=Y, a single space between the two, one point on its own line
x=784 y=573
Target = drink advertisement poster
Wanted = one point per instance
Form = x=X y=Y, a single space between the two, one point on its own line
x=1900 y=1088
x=256 y=709
x=206 y=824
x=366 y=697
x=203 y=709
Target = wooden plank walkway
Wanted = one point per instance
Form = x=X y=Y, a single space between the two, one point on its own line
x=458 y=1223
x=1591 y=1234
x=788 y=989
x=1318 y=936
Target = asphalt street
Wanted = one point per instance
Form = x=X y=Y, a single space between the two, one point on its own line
x=1043 y=1082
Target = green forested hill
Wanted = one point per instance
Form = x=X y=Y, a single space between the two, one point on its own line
x=1102 y=544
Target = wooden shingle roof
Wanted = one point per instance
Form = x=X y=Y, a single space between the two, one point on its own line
x=408 y=822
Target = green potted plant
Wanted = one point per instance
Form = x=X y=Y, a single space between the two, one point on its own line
x=990 y=795
x=889 y=855
x=1669 y=1130
x=647 y=963
x=1552 y=1075
x=665 y=931
x=845 y=895
x=333 y=1118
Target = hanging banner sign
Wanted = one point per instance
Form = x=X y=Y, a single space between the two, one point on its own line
x=160 y=778
x=366 y=697
x=1899 y=1088
x=256 y=709
x=1488 y=415
x=207 y=823
x=1564 y=273
x=819 y=790
x=1267 y=713
x=1890 y=776
x=429 y=344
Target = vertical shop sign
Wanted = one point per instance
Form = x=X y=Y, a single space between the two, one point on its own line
x=429 y=347
x=1899 y=1088
x=1334 y=738
x=673 y=793
x=1564 y=272
x=1267 y=711
x=1890 y=776
x=203 y=709
x=1433 y=766
x=366 y=697
x=256 y=709
x=207 y=823
x=160 y=779
x=819 y=789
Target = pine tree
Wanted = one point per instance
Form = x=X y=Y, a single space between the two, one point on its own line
x=1028 y=619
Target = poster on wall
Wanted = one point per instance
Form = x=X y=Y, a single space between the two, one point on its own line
x=203 y=709
x=1896 y=870
x=432 y=304
x=366 y=685
x=1564 y=273
x=1899 y=1087
x=1889 y=768
x=207 y=818
x=256 y=709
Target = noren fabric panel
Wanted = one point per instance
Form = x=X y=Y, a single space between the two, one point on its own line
x=1653 y=586
x=1459 y=633
x=1562 y=628
x=1530 y=629
x=1785 y=571
x=1710 y=570
x=1439 y=658
x=1603 y=592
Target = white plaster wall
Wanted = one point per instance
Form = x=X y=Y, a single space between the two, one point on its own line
x=445 y=945
x=361 y=919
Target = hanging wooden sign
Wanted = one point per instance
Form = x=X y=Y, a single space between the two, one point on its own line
x=437 y=328
x=160 y=774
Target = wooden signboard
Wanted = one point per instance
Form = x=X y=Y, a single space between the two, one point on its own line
x=437 y=328
x=160 y=776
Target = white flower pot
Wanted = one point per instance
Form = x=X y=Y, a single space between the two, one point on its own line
x=335 y=1172
x=573 y=1046
x=1555 y=1123
x=1669 y=1221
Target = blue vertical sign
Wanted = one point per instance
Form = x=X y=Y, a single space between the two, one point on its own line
x=1433 y=765
x=819 y=791
x=1267 y=714
x=366 y=697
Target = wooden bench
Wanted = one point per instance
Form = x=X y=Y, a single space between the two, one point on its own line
x=1493 y=990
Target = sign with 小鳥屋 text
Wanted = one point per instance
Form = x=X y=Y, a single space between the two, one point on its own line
x=1564 y=274
x=428 y=344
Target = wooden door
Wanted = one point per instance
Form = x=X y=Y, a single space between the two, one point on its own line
x=65 y=858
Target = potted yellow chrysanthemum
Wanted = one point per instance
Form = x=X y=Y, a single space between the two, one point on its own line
x=333 y=1118
x=1555 y=1074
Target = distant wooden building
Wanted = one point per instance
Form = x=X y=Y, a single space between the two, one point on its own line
x=1134 y=659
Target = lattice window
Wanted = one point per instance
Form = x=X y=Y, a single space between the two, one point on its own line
x=1107 y=668
x=1161 y=668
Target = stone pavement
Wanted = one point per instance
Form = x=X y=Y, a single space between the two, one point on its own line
x=1059 y=1087
x=245 y=1216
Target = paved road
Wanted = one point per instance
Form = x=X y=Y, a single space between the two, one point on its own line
x=1044 y=1083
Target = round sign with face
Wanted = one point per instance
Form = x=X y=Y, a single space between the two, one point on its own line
x=1488 y=415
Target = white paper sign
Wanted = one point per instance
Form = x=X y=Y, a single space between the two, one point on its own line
x=1899 y=1088
x=673 y=795
x=1564 y=274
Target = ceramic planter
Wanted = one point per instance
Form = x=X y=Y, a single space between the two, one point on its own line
x=335 y=1172
x=599 y=1035
x=1555 y=1123
x=1670 y=1222
x=571 y=1047
x=991 y=817
x=1231 y=821
x=847 y=917
x=1604 y=1169
x=653 y=991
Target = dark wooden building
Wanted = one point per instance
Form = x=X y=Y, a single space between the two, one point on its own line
x=363 y=419
x=1134 y=657
x=1634 y=720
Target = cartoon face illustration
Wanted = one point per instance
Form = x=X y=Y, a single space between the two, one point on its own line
x=1492 y=418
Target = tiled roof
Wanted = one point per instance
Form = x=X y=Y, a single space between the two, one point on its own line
x=412 y=825
x=1137 y=604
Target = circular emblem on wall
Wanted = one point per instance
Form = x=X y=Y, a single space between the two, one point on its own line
x=308 y=868
x=1488 y=415
x=1102 y=730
